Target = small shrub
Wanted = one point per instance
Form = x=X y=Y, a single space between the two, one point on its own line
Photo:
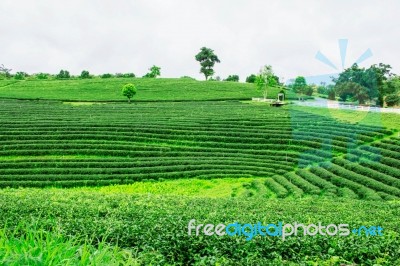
x=331 y=94
x=125 y=75
x=20 y=75
x=42 y=76
x=392 y=99
x=64 y=74
x=251 y=78
x=234 y=78
x=187 y=77
x=106 y=76
x=128 y=75
x=85 y=75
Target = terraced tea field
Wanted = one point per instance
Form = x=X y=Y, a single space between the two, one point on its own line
x=117 y=182
x=55 y=144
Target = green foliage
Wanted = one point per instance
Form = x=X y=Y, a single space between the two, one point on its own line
x=260 y=83
x=130 y=75
x=265 y=80
x=277 y=188
x=380 y=74
x=309 y=91
x=392 y=100
x=152 y=229
x=300 y=85
x=129 y=90
x=42 y=76
x=187 y=77
x=332 y=94
x=27 y=244
x=107 y=76
x=125 y=75
x=391 y=88
x=391 y=85
x=207 y=60
x=217 y=78
x=234 y=78
x=353 y=90
x=155 y=71
x=372 y=80
x=5 y=72
x=251 y=78
x=20 y=75
x=64 y=74
x=87 y=151
x=85 y=75
x=322 y=90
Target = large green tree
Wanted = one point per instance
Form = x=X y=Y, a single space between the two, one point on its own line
x=300 y=85
x=207 y=59
x=373 y=80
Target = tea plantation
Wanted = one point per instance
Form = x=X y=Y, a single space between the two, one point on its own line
x=125 y=179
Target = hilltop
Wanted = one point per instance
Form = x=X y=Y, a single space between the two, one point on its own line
x=162 y=89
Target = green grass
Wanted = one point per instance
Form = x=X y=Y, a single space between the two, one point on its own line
x=213 y=188
x=148 y=90
x=28 y=245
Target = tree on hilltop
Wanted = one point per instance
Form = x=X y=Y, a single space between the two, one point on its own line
x=155 y=71
x=85 y=75
x=207 y=60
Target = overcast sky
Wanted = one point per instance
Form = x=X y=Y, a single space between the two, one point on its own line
x=132 y=35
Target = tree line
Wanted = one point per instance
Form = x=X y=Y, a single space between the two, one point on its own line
x=5 y=73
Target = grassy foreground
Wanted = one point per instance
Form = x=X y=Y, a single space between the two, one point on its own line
x=27 y=245
x=152 y=229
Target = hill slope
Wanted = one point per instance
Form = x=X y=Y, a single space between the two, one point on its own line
x=110 y=90
x=58 y=144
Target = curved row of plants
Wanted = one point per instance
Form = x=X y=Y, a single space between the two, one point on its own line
x=46 y=143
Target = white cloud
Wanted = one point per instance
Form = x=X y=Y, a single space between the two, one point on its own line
x=130 y=36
